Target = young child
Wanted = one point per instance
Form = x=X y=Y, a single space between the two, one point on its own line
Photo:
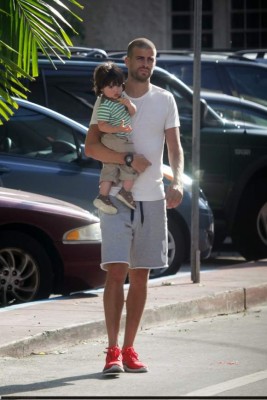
x=114 y=119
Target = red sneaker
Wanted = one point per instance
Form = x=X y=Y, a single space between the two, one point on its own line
x=131 y=362
x=113 y=361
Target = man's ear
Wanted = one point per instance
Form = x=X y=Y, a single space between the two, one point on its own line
x=126 y=61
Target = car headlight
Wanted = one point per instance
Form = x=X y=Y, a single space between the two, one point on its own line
x=86 y=234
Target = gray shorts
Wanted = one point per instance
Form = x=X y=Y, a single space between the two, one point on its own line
x=138 y=238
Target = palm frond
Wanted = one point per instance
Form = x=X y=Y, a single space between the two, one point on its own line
x=25 y=27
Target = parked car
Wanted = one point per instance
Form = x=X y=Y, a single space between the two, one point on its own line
x=236 y=109
x=244 y=79
x=47 y=246
x=42 y=151
x=233 y=157
x=257 y=55
x=78 y=51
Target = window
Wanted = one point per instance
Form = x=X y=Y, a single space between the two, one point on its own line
x=248 y=23
x=68 y=92
x=248 y=82
x=183 y=22
x=34 y=135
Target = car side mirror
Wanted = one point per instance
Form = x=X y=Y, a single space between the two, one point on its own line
x=82 y=155
x=88 y=161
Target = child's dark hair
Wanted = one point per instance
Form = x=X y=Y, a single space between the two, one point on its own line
x=107 y=74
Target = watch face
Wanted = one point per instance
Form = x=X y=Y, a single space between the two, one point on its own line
x=128 y=159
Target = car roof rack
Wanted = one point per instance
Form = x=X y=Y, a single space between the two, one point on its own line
x=79 y=52
x=252 y=53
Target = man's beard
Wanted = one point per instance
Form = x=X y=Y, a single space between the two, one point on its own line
x=140 y=78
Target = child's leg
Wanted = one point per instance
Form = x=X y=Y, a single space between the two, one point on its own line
x=127 y=185
x=104 y=187
x=103 y=202
x=125 y=194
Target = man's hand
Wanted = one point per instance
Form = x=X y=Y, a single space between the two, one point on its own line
x=174 y=196
x=140 y=163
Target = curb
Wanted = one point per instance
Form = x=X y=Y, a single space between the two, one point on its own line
x=223 y=303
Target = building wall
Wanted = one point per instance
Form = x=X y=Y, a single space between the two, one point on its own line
x=221 y=24
x=112 y=24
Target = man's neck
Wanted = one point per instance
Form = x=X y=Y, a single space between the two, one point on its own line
x=136 y=89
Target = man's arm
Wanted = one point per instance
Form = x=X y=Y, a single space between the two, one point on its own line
x=105 y=127
x=174 y=193
x=95 y=149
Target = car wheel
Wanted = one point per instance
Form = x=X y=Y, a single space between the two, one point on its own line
x=25 y=269
x=176 y=249
x=250 y=230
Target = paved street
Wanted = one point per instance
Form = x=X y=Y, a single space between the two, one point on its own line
x=220 y=356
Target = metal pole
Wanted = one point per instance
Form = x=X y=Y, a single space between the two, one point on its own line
x=195 y=253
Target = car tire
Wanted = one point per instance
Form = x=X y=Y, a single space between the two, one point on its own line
x=250 y=230
x=25 y=269
x=176 y=248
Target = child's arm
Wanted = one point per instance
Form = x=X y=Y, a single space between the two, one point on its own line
x=105 y=127
x=127 y=103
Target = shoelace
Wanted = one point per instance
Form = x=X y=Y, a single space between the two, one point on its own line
x=113 y=352
x=130 y=352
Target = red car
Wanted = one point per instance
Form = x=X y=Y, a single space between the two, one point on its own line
x=47 y=246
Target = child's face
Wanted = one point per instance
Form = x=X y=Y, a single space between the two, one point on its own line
x=112 y=91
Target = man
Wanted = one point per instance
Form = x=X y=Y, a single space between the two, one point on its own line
x=133 y=242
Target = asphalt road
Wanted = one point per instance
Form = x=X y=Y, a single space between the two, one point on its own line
x=221 y=356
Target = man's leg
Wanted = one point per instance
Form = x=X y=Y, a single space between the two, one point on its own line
x=114 y=300
x=135 y=305
x=113 y=305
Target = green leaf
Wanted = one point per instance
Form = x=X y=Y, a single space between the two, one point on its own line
x=25 y=27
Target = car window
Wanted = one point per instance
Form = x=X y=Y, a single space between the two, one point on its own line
x=234 y=112
x=35 y=135
x=184 y=71
x=248 y=82
x=67 y=92
x=210 y=79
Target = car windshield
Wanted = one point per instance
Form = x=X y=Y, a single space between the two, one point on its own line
x=249 y=83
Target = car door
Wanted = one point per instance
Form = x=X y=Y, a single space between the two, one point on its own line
x=40 y=154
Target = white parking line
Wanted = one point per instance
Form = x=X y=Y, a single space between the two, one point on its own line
x=228 y=385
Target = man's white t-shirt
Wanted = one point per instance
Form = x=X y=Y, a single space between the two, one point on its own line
x=156 y=112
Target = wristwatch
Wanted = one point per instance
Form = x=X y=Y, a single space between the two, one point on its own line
x=128 y=159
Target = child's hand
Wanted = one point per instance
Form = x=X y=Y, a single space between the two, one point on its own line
x=128 y=104
x=124 y=128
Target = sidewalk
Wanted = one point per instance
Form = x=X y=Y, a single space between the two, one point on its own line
x=58 y=323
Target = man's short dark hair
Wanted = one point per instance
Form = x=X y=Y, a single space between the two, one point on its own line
x=141 y=43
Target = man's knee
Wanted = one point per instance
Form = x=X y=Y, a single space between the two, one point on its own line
x=139 y=276
x=117 y=272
